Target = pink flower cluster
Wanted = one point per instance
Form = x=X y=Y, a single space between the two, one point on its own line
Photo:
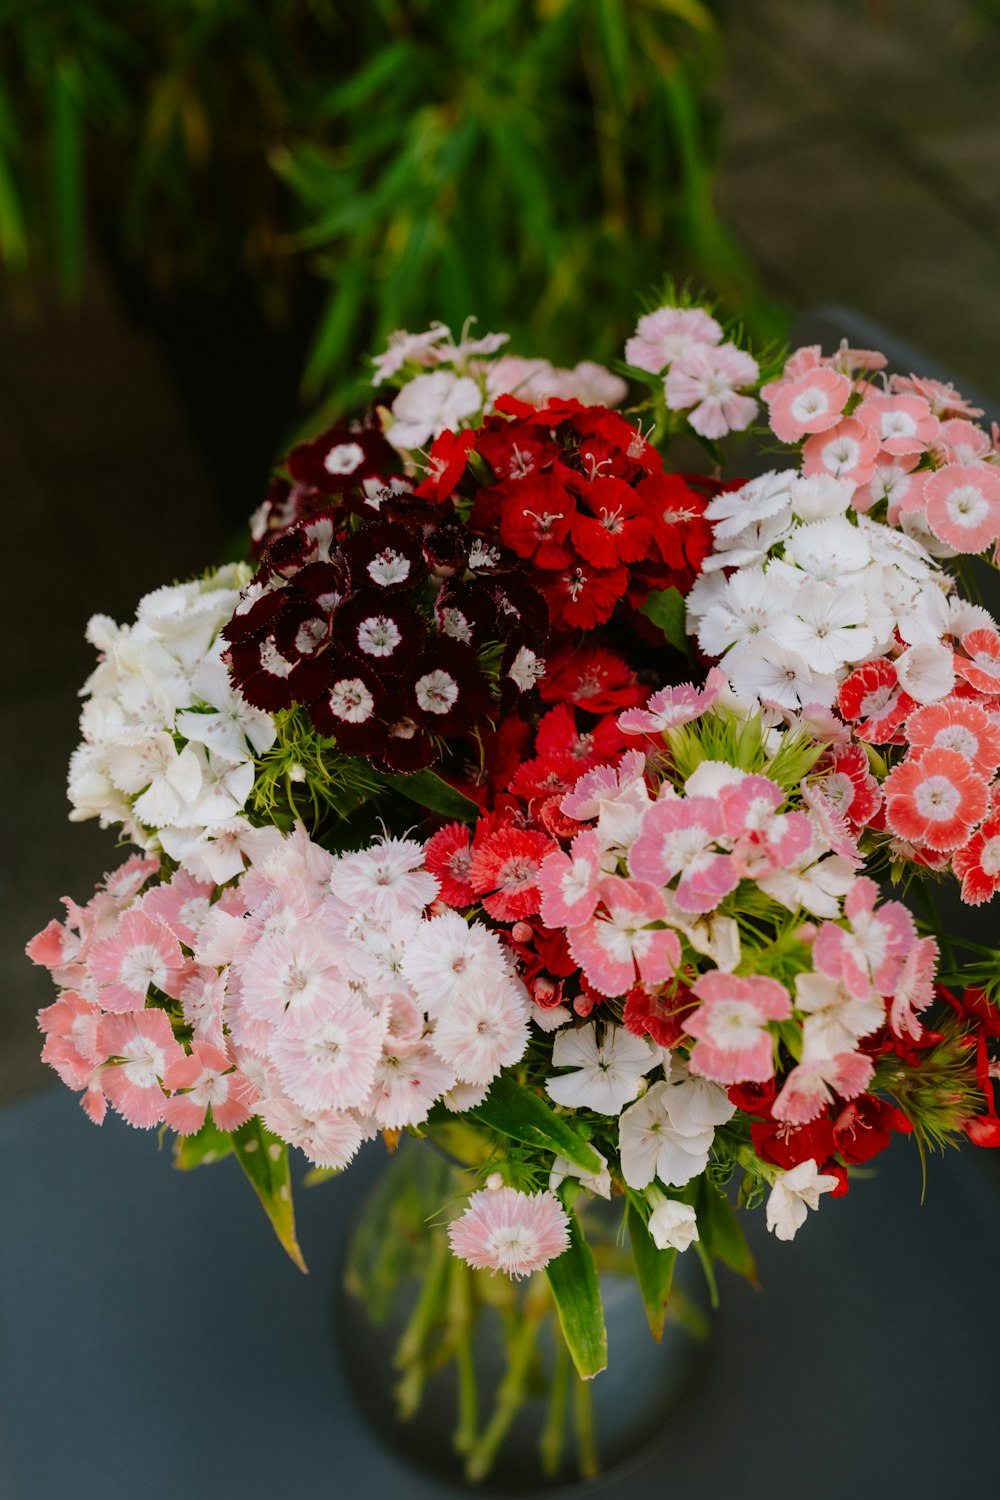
x=702 y=376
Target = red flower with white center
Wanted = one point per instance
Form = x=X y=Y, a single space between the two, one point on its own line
x=141 y=1048
x=813 y=402
x=872 y=694
x=980 y=667
x=340 y=458
x=580 y=597
x=618 y=530
x=504 y=871
x=902 y=423
x=733 y=1044
x=863 y=1128
x=847 y=781
x=871 y=953
x=977 y=863
x=957 y=724
x=618 y=941
x=448 y=856
x=203 y=1080
x=535 y=519
x=847 y=451
x=936 y=798
x=446 y=464
x=810 y=1086
x=142 y=955
x=963 y=505
x=590 y=677
x=385 y=633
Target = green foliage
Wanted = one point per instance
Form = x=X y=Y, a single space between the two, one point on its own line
x=533 y=161
x=666 y=610
x=518 y=1112
x=577 y=1294
x=264 y=1159
x=654 y=1268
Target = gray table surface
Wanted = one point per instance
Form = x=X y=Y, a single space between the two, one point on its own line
x=155 y=1343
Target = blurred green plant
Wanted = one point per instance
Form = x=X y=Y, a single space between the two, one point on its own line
x=532 y=161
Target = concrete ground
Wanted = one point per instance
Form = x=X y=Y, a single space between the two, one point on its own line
x=861 y=165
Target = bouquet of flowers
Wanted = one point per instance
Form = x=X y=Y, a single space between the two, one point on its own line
x=524 y=794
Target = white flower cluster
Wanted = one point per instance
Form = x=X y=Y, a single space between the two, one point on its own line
x=815 y=589
x=352 y=1010
x=168 y=742
x=463 y=380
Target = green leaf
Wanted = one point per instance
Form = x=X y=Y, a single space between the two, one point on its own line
x=210 y=1144
x=654 y=1270
x=577 y=1293
x=666 y=610
x=264 y=1158
x=720 y=1233
x=521 y=1114
x=428 y=790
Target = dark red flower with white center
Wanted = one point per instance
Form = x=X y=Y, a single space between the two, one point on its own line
x=446 y=464
x=864 y=1126
x=535 y=518
x=846 y=779
x=977 y=863
x=936 y=798
x=618 y=528
x=581 y=597
x=592 y=678
x=445 y=689
x=466 y=612
x=980 y=666
x=287 y=665
x=559 y=734
x=352 y=707
x=504 y=871
x=341 y=458
x=385 y=556
x=448 y=855
x=386 y=633
x=681 y=537
x=324 y=584
x=872 y=694
x=658 y=1012
x=785 y=1145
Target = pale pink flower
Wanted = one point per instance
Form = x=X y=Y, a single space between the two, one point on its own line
x=207 y=1079
x=616 y=796
x=202 y=997
x=612 y=945
x=810 y=1086
x=902 y=423
x=705 y=382
x=430 y=403
x=482 y=1031
x=914 y=988
x=733 y=1044
x=669 y=333
x=678 y=837
x=793 y=1194
x=810 y=402
x=606 y=1074
x=143 y=954
x=332 y=1064
x=673 y=705
x=183 y=904
x=142 y=1048
x=289 y=978
x=385 y=880
x=447 y=956
x=128 y=880
x=408 y=1079
x=504 y=1230
x=329 y=1138
x=871 y=954
x=409 y=348
x=963 y=505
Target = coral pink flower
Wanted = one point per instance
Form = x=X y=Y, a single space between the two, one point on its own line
x=847 y=451
x=977 y=863
x=71 y=1047
x=935 y=798
x=812 y=402
x=504 y=871
x=183 y=905
x=568 y=882
x=981 y=664
x=705 y=382
x=143 y=1048
x=963 y=505
x=961 y=442
x=766 y=840
x=733 y=1043
x=128 y=880
x=810 y=1086
x=904 y=424
x=448 y=857
x=872 y=694
x=677 y=838
x=914 y=988
x=943 y=399
x=504 y=1230
x=957 y=724
x=612 y=945
x=209 y=1079
x=617 y=796
x=143 y=954
x=871 y=953
x=847 y=781
x=673 y=705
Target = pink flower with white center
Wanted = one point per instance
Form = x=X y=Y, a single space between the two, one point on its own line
x=903 y=424
x=569 y=882
x=142 y=1048
x=143 y=955
x=617 y=796
x=606 y=1074
x=288 y=979
x=183 y=905
x=504 y=1230
x=963 y=505
x=957 y=724
x=847 y=451
x=332 y=1064
x=870 y=955
x=71 y=1046
x=386 y=880
x=961 y=442
x=793 y=1194
x=980 y=666
x=678 y=838
x=936 y=798
x=202 y=998
x=830 y=825
x=672 y=706
x=657 y=1139
x=893 y=483
x=482 y=1031
x=733 y=1044
x=613 y=944
x=669 y=333
x=708 y=381
x=208 y=1080
x=766 y=840
x=810 y=1086
x=914 y=988
x=408 y=1079
x=128 y=880
x=329 y=1138
x=447 y=956
x=812 y=402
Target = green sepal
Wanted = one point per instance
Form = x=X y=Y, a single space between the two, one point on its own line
x=515 y=1111
x=264 y=1158
x=654 y=1269
x=666 y=610
x=576 y=1291
x=428 y=790
x=210 y=1144
x=720 y=1233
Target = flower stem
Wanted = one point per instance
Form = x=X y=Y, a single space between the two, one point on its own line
x=462 y=1314
x=583 y=1423
x=553 y=1436
x=409 y=1357
x=510 y=1398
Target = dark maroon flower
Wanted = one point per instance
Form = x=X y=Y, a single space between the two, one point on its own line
x=351 y=707
x=385 y=632
x=341 y=458
x=384 y=556
x=450 y=693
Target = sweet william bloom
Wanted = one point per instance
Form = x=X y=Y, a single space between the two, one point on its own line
x=142 y=1048
x=672 y=706
x=428 y=404
x=606 y=1074
x=847 y=451
x=980 y=666
x=446 y=956
x=569 y=883
x=482 y=1031
x=504 y=1230
x=811 y=1086
x=669 y=333
x=935 y=799
x=870 y=955
x=848 y=783
x=332 y=1064
x=657 y=1140
x=672 y=1225
x=963 y=505
x=143 y=954
x=706 y=381
x=903 y=424
x=812 y=402
x=977 y=863
x=733 y=1045
x=386 y=880
x=448 y=857
x=957 y=724
x=206 y=1079
x=914 y=989
x=617 y=796
x=618 y=940
x=793 y=1194
x=678 y=838
x=408 y=1079
x=873 y=694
